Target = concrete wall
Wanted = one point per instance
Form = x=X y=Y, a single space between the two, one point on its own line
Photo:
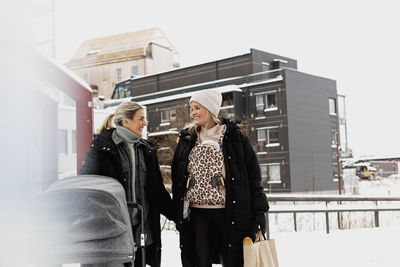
x=161 y=59
x=105 y=76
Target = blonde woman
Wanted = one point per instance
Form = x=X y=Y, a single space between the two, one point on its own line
x=216 y=187
x=120 y=152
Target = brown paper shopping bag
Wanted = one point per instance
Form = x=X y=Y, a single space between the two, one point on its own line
x=261 y=253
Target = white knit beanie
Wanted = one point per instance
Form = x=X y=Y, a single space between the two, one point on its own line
x=211 y=99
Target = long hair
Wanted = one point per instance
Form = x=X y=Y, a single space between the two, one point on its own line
x=124 y=110
x=210 y=119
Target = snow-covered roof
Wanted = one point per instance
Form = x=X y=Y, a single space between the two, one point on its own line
x=114 y=48
x=222 y=89
x=348 y=161
x=280 y=60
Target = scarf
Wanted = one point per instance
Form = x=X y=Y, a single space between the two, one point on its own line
x=130 y=138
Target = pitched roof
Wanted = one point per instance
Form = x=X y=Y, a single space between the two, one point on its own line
x=117 y=47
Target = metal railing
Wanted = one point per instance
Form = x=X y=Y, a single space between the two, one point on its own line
x=275 y=209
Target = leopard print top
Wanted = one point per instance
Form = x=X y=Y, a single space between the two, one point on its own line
x=205 y=186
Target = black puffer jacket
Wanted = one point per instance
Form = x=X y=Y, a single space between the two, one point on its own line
x=246 y=203
x=104 y=158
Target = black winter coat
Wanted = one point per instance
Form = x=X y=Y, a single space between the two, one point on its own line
x=246 y=203
x=103 y=159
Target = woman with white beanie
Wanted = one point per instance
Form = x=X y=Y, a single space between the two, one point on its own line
x=216 y=187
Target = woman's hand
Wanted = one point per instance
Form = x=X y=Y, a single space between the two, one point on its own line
x=259 y=222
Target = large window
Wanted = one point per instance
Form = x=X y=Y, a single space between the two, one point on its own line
x=270 y=173
x=122 y=90
x=332 y=106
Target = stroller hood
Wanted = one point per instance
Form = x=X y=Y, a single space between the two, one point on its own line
x=81 y=219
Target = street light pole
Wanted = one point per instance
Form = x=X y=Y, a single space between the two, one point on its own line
x=338 y=163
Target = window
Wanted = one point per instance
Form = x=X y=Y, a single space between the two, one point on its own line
x=172 y=115
x=270 y=135
x=259 y=105
x=333 y=138
x=227 y=99
x=85 y=77
x=227 y=108
x=265 y=102
x=273 y=136
x=261 y=135
x=274 y=173
x=62 y=142
x=264 y=175
x=135 y=70
x=164 y=116
x=334 y=171
x=267 y=137
x=332 y=106
x=270 y=173
x=73 y=141
x=271 y=102
x=119 y=74
x=122 y=90
x=125 y=90
x=168 y=115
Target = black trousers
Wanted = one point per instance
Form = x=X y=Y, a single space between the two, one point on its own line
x=208 y=229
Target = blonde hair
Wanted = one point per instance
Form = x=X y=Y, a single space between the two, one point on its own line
x=125 y=110
x=210 y=119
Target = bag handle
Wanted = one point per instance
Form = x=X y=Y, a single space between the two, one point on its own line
x=260 y=236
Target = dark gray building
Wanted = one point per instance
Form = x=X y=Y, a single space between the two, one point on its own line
x=289 y=116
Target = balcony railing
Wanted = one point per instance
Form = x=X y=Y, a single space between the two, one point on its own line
x=241 y=80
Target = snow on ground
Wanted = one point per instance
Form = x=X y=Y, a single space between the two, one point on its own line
x=384 y=187
x=311 y=246
x=367 y=247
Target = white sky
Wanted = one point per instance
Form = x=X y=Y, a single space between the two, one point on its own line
x=353 y=42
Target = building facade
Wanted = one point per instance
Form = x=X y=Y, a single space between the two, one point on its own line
x=290 y=117
x=105 y=61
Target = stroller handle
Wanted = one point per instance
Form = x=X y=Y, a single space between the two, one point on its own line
x=140 y=208
x=142 y=239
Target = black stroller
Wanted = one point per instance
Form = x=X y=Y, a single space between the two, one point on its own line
x=83 y=219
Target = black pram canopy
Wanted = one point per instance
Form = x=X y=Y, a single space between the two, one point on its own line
x=81 y=219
